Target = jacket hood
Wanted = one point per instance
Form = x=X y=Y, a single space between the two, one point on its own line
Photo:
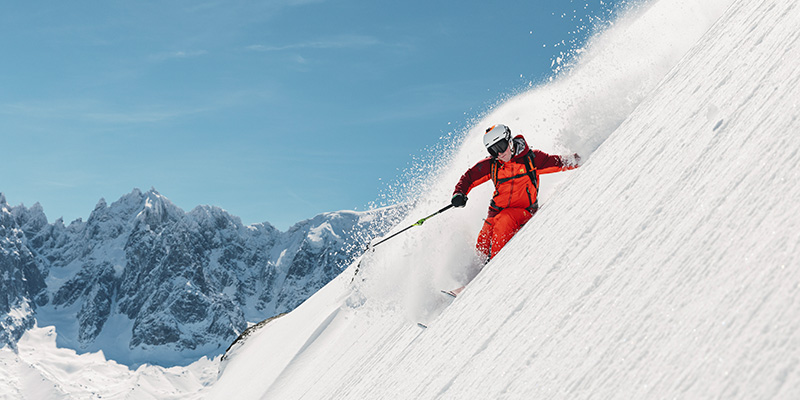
x=520 y=147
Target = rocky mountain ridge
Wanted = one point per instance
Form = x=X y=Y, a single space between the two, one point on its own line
x=146 y=282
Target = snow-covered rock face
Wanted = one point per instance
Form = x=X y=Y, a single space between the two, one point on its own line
x=148 y=283
x=21 y=281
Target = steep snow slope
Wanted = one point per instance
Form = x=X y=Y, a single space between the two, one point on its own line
x=665 y=267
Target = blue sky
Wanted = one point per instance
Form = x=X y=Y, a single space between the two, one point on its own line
x=273 y=110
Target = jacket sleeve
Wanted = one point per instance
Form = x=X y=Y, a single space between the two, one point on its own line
x=547 y=164
x=479 y=173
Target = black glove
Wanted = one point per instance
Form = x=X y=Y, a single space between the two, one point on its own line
x=459 y=200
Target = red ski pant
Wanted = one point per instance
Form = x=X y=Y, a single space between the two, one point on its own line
x=498 y=230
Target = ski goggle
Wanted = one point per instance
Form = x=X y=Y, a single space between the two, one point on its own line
x=500 y=147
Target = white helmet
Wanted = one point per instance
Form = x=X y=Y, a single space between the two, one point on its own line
x=497 y=139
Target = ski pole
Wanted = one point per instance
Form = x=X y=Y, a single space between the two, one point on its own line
x=418 y=223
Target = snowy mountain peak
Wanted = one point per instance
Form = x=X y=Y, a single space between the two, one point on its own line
x=149 y=209
x=21 y=281
x=30 y=219
x=157 y=209
x=37 y=208
x=143 y=281
x=101 y=204
x=205 y=214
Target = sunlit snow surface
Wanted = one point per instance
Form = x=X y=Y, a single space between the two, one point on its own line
x=665 y=267
x=38 y=370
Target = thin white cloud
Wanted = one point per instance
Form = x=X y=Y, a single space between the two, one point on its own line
x=177 y=55
x=303 y=2
x=96 y=112
x=336 y=42
x=137 y=117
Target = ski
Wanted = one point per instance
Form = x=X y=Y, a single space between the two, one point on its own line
x=450 y=293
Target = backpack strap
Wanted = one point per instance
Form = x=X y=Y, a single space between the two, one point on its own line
x=493 y=172
x=530 y=166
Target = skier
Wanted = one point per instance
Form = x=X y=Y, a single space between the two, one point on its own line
x=514 y=169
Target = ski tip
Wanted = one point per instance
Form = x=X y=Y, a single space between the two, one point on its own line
x=421 y=325
x=449 y=293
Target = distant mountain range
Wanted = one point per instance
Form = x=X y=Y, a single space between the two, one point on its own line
x=146 y=282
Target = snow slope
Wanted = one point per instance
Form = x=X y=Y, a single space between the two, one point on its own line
x=38 y=370
x=665 y=267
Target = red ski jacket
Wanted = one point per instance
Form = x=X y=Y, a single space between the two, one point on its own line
x=516 y=182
